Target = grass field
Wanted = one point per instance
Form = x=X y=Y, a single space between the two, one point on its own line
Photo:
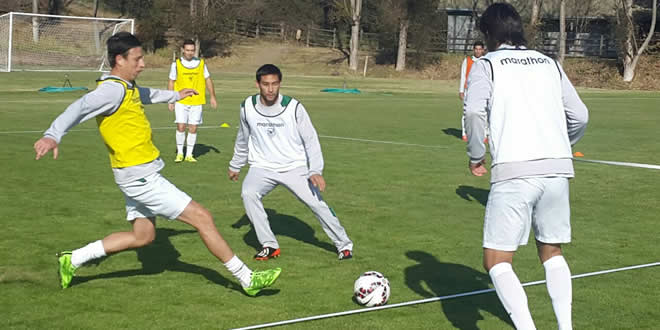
x=412 y=209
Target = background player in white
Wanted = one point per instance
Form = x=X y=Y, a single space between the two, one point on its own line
x=189 y=72
x=277 y=138
x=534 y=116
x=117 y=105
x=478 y=51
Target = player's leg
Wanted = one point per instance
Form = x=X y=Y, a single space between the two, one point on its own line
x=296 y=181
x=194 y=120
x=551 y=222
x=180 y=119
x=463 y=135
x=506 y=226
x=257 y=184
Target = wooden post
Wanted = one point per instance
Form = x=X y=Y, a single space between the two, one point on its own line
x=235 y=26
x=366 y=60
x=308 y=28
x=256 y=31
x=282 y=31
x=334 y=37
x=602 y=43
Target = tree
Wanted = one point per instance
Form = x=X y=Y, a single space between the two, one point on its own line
x=562 y=31
x=403 y=36
x=630 y=53
x=356 y=10
x=534 y=22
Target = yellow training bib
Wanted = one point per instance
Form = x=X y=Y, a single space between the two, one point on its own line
x=191 y=78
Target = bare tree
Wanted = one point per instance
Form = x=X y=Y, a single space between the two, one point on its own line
x=534 y=21
x=403 y=37
x=631 y=53
x=562 y=31
x=356 y=10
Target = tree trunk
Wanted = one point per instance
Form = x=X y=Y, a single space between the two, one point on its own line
x=562 y=31
x=630 y=56
x=356 y=9
x=403 y=42
x=532 y=29
x=35 y=21
x=97 y=36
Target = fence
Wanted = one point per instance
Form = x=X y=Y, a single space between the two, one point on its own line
x=577 y=44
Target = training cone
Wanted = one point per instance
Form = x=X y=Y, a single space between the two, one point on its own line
x=224 y=125
x=578 y=154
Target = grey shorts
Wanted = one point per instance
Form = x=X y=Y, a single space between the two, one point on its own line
x=517 y=205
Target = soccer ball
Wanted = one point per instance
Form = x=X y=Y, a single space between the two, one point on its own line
x=371 y=289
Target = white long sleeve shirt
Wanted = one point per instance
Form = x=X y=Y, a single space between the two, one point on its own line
x=534 y=114
x=105 y=100
x=461 y=87
x=278 y=137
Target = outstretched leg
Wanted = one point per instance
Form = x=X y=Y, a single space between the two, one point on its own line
x=558 y=282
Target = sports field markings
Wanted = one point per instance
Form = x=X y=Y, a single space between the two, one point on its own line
x=428 y=300
x=607 y=162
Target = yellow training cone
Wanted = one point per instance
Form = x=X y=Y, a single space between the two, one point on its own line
x=224 y=125
x=578 y=154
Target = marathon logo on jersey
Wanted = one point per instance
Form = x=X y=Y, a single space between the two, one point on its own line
x=525 y=61
x=270 y=127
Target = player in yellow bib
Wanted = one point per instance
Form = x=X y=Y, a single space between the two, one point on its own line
x=117 y=105
x=189 y=72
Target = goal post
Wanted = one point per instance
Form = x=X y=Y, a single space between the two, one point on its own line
x=39 y=42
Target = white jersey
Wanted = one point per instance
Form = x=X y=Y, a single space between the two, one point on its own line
x=274 y=142
x=527 y=113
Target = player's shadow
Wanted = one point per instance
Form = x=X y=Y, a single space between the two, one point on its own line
x=455 y=132
x=286 y=225
x=202 y=149
x=469 y=193
x=161 y=256
x=431 y=278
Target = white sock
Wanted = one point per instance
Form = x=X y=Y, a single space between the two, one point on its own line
x=512 y=295
x=180 y=139
x=88 y=252
x=190 y=143
x=239 y=270
x=558 y=282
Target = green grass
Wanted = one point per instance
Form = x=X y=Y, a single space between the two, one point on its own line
x=413 y=211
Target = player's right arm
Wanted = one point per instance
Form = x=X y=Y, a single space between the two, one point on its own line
x=104 y=100
x=170 y=83
x=240 y=148
x=461 y=87
x=577 y=114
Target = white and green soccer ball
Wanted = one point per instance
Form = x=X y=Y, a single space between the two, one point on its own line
x=371 y=289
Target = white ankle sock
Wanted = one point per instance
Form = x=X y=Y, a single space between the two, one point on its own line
x=512 y=295
x=190 y=143
x=88 y=252
x=558 y=282
x=239 y=270
x=180 y=139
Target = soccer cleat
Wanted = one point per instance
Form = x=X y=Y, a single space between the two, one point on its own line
x=261 y=280
x=267 y=253
x=345 y=254
x=179 y=158
x=190 y=159
x=464 y=138
x=67 y=270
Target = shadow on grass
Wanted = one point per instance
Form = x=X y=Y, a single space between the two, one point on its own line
x=469 y=193
x=442 y=279
x=455 y=132
x=161 y=256
x=286 y=225
x=202 y=149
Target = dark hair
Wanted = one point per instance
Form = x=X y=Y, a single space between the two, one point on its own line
x=120 y=44
x=478 y=43
x=501 y=23
x=188 y=42
x=267 y=69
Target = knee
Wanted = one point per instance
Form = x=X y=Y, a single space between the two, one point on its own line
x=144 y=238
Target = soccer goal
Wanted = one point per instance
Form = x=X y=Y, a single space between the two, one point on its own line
x=37 y=42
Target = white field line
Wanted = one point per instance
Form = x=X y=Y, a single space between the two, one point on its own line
x=428 y=300
x=607 y=162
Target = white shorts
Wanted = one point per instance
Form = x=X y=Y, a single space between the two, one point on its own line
x=187 y=114
x=516 y=205
x=152 y=196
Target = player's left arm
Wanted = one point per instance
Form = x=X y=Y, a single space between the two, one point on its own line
x=577 y=115
x=312 y=147
x=475 y=105
x=153 y=95
x=211 y=89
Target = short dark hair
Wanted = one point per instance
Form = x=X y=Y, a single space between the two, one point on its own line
x=188 y=42
x=478 y=43
x=267 y=69
x=119 y=44
x=501 y=23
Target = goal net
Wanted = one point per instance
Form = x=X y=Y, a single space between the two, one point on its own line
x=36 y=42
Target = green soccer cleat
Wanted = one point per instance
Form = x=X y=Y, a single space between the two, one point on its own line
x=262 y=280
x=179 y=158
x=67 y=270
x=190 y=159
